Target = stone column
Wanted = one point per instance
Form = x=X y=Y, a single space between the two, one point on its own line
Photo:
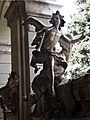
x=15 y=16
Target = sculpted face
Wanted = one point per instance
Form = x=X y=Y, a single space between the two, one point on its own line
x=60 y=67
x=55 y=20
x=58 y=70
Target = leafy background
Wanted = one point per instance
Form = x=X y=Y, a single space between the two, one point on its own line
x=80 y=21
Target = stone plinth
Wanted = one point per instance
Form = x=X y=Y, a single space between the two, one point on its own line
x=9 y=116
x=37 y=118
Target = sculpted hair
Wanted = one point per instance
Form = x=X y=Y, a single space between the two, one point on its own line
x=61 y=19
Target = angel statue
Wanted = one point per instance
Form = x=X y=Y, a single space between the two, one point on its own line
x=46 y=41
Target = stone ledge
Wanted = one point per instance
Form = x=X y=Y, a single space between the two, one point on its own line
x=36 y=118
x=41 y=8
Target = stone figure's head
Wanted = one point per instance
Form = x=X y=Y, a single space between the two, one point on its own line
x=60 y=66
x=57 y=19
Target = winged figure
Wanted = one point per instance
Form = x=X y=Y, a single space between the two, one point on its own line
x=38 y=25
x=45 y=43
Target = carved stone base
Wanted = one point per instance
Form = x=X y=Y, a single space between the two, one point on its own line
x=37 y=118
x=9 y=116
x=74 y=119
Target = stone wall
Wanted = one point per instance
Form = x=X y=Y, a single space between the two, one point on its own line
x=5 y=55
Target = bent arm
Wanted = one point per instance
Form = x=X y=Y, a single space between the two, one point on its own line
x=69 y=39
x=78 y=39
x=65 y=38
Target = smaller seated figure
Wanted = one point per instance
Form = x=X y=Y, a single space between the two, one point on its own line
x=9 y=93
x=59 y=69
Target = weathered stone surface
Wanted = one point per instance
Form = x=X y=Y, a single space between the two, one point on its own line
x=41 y=8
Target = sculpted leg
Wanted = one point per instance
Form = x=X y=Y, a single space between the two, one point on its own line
x=52 y=75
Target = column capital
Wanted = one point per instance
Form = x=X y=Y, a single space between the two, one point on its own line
x=16 y=9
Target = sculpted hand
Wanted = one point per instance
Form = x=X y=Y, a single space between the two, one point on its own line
x=45 y=29
x=83 y=35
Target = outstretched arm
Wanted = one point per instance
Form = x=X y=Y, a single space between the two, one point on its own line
x=78 y=39
x=68 y=38
x=65 y=38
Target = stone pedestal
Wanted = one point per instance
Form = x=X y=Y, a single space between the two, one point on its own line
x=9 y=116
x=37 y=118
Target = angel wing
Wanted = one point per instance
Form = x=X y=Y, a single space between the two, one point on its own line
x=66 y=46
x=38 y=28
x=38 y=25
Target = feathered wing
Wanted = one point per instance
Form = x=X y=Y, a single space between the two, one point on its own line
x=38 y=28
x=66 y=46
x=38 y=25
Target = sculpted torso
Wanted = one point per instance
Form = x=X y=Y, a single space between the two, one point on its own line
x=51 y=38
